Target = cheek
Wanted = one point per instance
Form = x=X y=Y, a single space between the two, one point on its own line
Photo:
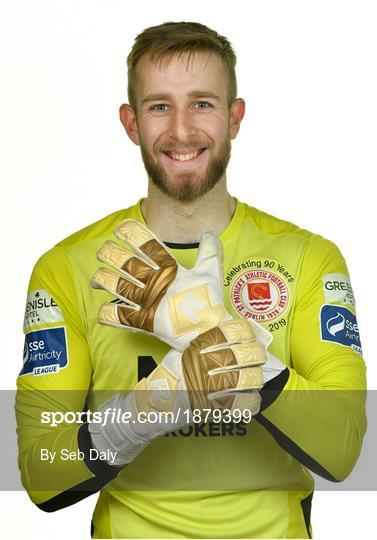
x=216 y=127
x=151 y=130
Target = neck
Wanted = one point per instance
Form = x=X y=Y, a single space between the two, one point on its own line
x=182 y=222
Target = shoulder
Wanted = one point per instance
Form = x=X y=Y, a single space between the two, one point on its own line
x=318 y=253
x=85 y=241
x=99 y=229
x=65 y=270
x=273 y=225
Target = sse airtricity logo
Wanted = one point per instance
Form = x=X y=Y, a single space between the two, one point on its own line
x=336 y=324
x=339 y=325
x=45 y=351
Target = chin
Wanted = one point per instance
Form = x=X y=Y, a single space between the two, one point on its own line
x=186 y=186
x=184 y=190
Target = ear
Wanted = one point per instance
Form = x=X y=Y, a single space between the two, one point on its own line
x=237 y=112
x=128 y=118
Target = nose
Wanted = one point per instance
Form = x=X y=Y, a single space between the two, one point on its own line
x=182 y=126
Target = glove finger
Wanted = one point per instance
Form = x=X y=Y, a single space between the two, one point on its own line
x=143 y=242
x=237 y=331
x=124 y=316
x=125 y=261
x=249 y=379
x=118 y=286
x=210 y=247
x=228 y=333
x=245 y=355
x=108 y=315
x=246 y=396
x=135 y=269
x=248 y=402
x=131 y=318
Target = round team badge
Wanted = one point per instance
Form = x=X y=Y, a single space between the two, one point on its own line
x=260 y=295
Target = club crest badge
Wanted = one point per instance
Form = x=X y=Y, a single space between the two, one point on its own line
x=260 y=295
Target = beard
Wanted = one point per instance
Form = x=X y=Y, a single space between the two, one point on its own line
x=190 y=186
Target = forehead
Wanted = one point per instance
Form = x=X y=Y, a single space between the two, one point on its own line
x=180 y=74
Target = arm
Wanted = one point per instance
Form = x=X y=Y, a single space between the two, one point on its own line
x=55 y=377
x=316 y=412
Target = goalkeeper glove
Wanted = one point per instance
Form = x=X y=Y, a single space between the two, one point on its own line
x=219 y=370
x=158 y=295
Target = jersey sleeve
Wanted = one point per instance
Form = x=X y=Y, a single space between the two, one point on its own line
x=319 y=414
x=55 y=378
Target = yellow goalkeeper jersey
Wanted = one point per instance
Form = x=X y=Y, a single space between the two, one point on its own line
x=207 y=480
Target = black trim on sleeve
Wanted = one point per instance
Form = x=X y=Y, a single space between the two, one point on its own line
x=103 y=472
x=306 y=505
x=293 y=449
x=273 y=388
x=74 y=495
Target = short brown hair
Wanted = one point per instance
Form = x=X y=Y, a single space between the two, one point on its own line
x=180 y=37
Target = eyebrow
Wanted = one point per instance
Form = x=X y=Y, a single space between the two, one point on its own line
x=194 y=94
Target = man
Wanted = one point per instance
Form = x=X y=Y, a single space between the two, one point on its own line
x=300 y=376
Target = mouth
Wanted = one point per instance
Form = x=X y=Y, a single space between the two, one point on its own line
x=184 y=157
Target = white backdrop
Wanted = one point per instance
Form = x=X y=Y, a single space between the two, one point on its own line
x=306 y=153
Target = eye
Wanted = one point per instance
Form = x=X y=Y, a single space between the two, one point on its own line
x=160 y=107
x=202 y=105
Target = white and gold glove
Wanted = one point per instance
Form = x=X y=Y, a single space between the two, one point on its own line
x=220 y=369
x=224 y=361
x=158 y=295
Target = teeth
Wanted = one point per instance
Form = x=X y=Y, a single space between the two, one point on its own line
x=183 y=157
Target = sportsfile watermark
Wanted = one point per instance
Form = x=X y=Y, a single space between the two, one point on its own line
x=303 y=434
x=118 y=416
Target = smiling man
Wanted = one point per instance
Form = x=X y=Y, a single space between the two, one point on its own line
x=206 y=305
x=183 y=118
x=183 y=113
